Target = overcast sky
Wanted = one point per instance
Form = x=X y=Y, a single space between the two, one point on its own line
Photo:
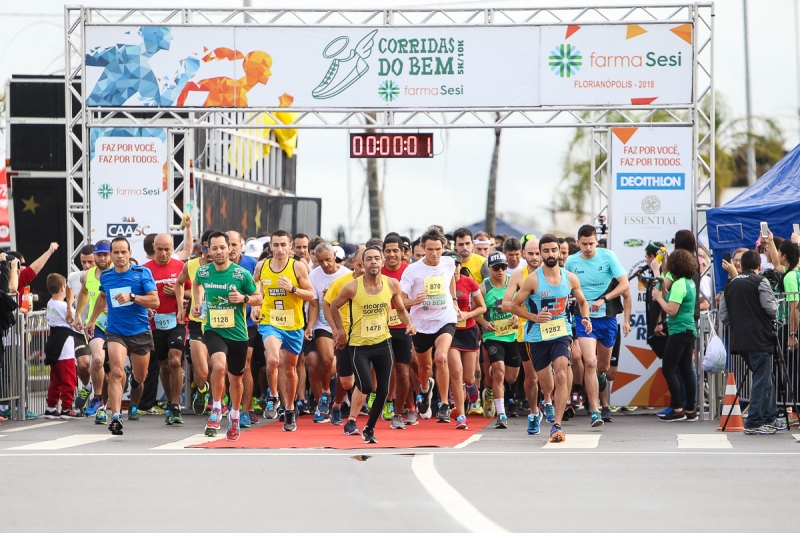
x=450 y=189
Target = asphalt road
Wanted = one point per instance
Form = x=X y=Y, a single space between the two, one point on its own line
x=635 y=474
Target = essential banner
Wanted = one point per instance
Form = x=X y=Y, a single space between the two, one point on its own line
x=651 y=198
x=617 y=65
x=129 y=196
x=313 y=67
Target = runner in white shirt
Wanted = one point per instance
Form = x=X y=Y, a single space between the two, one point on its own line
x=429 y=286
x=322 y=368
x=82 y=352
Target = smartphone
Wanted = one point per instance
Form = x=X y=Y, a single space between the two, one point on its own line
x=796 y=229
x=764 y=230
x=648 y=278
x=727 y=257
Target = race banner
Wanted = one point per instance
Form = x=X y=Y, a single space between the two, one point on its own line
x=616 y=65
x=651 y=198
x=5 y=228
x=129 y=196
x=313 y=67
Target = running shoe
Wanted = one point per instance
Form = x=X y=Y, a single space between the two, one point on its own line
x=488 y=403
x=364 y=410
x=556 y=434
x=762 y=430
x=289 y=423
x=502 y=422
x=233 y=430
x=549 y=413
x=533 y=423
x=100 y=416
x=320 y=417
x=461 y=422
x=569 y=413
x=212 y=425
x=225 y=409
x=336 y=416
x=793 y=420
x=133 y=413
x=302 y=408
x=281 y=413
x=605 y=414
x=83 y=396
x=443 y=416
x=175 y=414
x=257 y=407
x=692 y=416
x=597 y=421
x=369 y=435
x=601 y=381
x=323 y=407
x=628 y=408
x=575 y=400
x=665 y=412
x=200 y=401
x=168 y=417
x=271 y=409
x=254 y=417
x=244 y=420
x=94 y=404
x=29 y=415
x=424 y=401
x=412 y=418
x=511 y=409
x=350 y=428
x=51 y=414
x=388 y=410
x=155 y=410
x=475 y=408
x=675 y=416
x=614 y=408
x=397 y=422
x=115 y=427
x=70 y=414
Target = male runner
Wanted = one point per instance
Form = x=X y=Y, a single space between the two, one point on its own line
x=319 y=329
x=168 y=334
x=604 y=281
x=131 y=291
x=284 y=286
x=499 y=334
x=369 y=298
x=542 y=300
x=197 y=347
x=228 y=289
x=513 y=252
x=90 y=290
x=418 y=251
x=82 y=351
x=300 y=247
x=530 y=248
x=483 y=244
x=472 y=262
x=434 y=310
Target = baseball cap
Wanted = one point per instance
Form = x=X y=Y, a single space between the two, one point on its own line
x=349 y=249
x=102 y=248
x=264 y=240
x=496 y=258
x=338 y=251
x=253 y=248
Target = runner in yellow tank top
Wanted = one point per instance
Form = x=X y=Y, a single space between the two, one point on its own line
x=369 y=300
x=530 y=253
x=197 y=346
x=284 y=285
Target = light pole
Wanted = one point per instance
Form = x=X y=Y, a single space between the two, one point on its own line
x=751 y=149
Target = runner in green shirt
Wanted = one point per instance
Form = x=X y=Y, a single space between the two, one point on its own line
x=228 y=289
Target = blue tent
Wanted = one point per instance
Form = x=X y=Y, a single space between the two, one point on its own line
x=501 y=226
x=774 y=199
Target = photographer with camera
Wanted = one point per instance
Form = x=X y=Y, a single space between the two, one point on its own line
x=748 y=307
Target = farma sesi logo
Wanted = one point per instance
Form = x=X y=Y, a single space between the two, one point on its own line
x=565 y=60
x=389 y=91
x=105 y=191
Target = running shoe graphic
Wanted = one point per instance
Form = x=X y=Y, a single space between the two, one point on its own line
x=343 y=73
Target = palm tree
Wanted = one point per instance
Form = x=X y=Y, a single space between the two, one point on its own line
x=490 y=222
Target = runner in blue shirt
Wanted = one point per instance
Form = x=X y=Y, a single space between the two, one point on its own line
x=598 y=269
x=131 y=291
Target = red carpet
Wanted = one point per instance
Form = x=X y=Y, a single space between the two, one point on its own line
x=309 y=435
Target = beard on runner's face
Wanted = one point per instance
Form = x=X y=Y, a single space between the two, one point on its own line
x=551 y=261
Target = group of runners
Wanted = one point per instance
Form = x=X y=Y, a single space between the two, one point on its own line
x=393 y=329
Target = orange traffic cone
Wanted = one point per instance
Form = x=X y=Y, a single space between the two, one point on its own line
x=731 y=405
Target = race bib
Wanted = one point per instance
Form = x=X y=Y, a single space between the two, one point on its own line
x=504 y=327
x=554 y=329
x=165 y=321
x=113 y=292
x=434 y=286
x=102 y=322
x=461 y=324
x=221 y=318
x=394 y=320
x=281 y=318
x=372 y=327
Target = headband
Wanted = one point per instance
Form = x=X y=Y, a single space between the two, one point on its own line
x=483 y=242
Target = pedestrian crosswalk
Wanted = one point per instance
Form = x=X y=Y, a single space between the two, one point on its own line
x=63 y=442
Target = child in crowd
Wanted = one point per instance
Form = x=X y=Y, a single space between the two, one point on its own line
x=60 y=352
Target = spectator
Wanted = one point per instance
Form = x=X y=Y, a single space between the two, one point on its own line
x=734 y=268
x=59 y=352
x=9 y=273
x=656 y=328
x=680 y=309
x=29 y=273
x=748 y=307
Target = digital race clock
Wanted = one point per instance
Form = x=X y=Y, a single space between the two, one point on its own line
x=391 y=145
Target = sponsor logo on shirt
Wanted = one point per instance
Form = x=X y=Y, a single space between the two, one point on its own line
x=238 y=274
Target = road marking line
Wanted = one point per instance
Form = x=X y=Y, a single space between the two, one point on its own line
x=63 y=442
x=474 y=438
x=450 y=499
x=575 y=441
x=200 y=438
x=702 y=441
x=796 y=436
x=34 y=426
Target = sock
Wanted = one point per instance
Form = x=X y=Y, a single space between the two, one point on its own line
x=217 y=404
x=499 y=406
x=204 y=388
x=472 y=390
x=423 y=391
x=115 y=415
x=234 y=414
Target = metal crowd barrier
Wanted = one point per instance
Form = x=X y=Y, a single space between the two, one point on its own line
x=37 y=374
x=12 y=370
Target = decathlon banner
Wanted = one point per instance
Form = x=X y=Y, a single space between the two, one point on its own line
x=128 y=180
x=617 y=65
x=651 y=198
x=313 y=67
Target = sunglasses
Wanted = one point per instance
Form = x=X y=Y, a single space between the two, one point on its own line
x=497 y=268
x=204 y=248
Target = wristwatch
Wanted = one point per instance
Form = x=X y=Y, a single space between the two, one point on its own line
x=604 y=298
x=294 y=289
x=133 y=298
x=246 y=298
x=793 y=335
